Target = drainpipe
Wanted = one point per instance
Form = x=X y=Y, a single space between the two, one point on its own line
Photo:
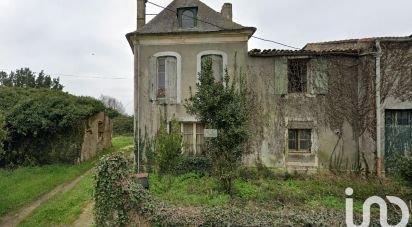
x=378 y=108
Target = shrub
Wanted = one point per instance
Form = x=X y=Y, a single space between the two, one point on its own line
x=221 y=105
x=168 y=148
x=197 y=164
x=44 y=126
x=123 y=125
x=3 y=134
x=117 y=196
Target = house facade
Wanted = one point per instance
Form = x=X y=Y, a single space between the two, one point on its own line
x=313 y=108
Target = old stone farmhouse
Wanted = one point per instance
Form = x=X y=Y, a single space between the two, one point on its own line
x=334 y=105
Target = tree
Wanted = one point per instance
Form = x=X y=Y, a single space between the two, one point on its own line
x=3 y=134
x=113 y=103
x=25 y=78
x=222 y=106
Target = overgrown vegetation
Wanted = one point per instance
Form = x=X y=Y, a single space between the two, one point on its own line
x=168 y=148
x=25 y=184
x=63 y=209
x=123 y=125
x=222 y=105
x=25 y=78
x=44 y=126
x=116 y=195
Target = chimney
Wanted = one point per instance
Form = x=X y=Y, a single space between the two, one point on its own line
x=227 y=10
x=141 y=14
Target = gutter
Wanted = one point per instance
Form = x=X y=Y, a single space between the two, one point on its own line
x=378 y=108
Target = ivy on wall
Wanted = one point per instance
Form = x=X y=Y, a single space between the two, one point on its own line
x=44 y=126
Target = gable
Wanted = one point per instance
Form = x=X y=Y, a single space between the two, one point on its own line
x=208 y=19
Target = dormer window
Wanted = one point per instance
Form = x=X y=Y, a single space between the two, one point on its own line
x=187 y=17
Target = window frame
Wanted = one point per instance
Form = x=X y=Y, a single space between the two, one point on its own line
x=298 y=140
x=182 y=10
x=195 y=134
x=210 y=52
x=392 y=117
x=304 y=80
x=178 y=73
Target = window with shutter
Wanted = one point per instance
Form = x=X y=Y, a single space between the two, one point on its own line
x=163 y=78
x=281 y=76
x=217 y=65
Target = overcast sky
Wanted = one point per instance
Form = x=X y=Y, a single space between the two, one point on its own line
x=77 y=39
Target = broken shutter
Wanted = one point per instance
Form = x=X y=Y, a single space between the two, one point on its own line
x=281 y=76
x=152 y=77
x=318 y=72
x=171 y=78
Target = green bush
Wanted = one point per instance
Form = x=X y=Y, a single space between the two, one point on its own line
x=197 y=164
x=221 y=105
x=44 y=126
x=117 y=196
x=168 y=148
x=123 y=125
x=3 y=134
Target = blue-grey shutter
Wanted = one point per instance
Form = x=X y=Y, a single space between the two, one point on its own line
x=319 y=74
x=152 y=77
x=281 y=76
x=171 y=77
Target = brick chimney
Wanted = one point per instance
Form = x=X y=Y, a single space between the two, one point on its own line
x=227 y=10
x=141 y=14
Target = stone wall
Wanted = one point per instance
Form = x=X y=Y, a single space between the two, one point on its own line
x=98 y=136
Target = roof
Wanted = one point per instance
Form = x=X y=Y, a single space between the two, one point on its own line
x=351 y=44
x=208 y=20
x=302 y=52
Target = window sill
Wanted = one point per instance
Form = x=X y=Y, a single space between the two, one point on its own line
x=304 y=152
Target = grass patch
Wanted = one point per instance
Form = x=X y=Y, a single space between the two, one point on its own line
x=65 y=208
x=187 y=189
x=23 y=185
x=323 y=191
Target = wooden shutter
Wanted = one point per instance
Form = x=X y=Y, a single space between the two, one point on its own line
x=281 y=76
x=171 y=78
x=152 y=77
x=319 y=76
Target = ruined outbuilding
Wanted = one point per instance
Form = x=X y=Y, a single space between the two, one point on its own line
x=340 y=105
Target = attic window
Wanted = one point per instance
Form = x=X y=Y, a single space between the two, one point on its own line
x=297 y=75
x=187 y=17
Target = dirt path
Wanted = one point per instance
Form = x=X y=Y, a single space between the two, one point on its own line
x=86 y=218
x=15 y=218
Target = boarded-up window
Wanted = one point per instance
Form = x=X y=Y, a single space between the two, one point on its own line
x=299 y=140
x=297 y=75
x=193 y=137
x=217 y=65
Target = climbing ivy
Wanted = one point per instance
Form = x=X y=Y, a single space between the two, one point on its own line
x=117 y=196
x=44 y=126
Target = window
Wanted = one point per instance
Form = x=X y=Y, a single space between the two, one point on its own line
x=193 y=137
x=299 y=140
x=100 y=129
x=217 y=65
x=166 y=81
x=161 y=77
x=187 y=17
x=165 y=75
x=398 y=117
x=297 y=75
